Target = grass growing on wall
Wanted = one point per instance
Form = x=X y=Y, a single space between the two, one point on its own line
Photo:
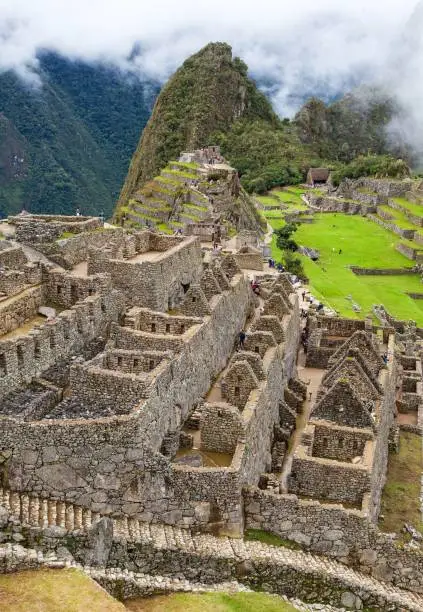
x=401 y=494
x=258 y=535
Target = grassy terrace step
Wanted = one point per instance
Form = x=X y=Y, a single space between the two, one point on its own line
x=188 y=166
x=144 y=199
x=211 y=602
x=139 y=218
x=401 y=493
x=167 y=184
x=164 y=227
x=397 y=217
x=195 y=207
x=412 y=244
x=406 y=205
x=184 y=174
x=50 y=590
x=161 y=206
x=190 y=217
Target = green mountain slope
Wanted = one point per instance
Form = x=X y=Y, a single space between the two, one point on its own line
x=74 y=136
x=211 y=100
x=208 y=94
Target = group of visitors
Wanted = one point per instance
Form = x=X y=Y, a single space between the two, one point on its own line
x=272 y=264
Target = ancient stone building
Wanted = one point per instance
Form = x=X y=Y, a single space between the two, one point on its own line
x=130 y=413
x=141 y=333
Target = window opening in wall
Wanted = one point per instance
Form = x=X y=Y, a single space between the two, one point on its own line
x=185 y=286
x=355 y=444
x=257 y=349
x=74 y=293
x=182 y=329
x=103 y=307
x=194 y=299
x=90 y=291
x=237 y=392
x=341 y=442
x=151 y=364
x=153 y=328
x=167 y=328
x=325 y=442
x=3 y=367
x=119 y=361
x=59 y=289
x=20 y=353
x=136 y=363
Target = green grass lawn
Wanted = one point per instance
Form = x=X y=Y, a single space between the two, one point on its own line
x=210 y=602
x=401 y=494
x=289 y=197
x=365 y=244
x=68 y=590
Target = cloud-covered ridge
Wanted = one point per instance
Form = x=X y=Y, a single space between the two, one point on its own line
x=300 y=47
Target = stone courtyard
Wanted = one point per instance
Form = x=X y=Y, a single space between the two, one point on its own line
x=130 y=412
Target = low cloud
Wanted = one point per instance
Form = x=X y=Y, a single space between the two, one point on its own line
x=295 y=48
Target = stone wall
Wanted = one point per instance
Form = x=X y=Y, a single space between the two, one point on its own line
x=143 y=319
x=393 y=227
x=155 y=284
x=14 y=313
x=71 y=251
x=30 y=355
x=335 y=532
x=334 y=204
x=382 y=271
x=406 y=250
x=130 y=558
x=326 y=442
x=113 y=464
x=221 y=427
x=387 y=187
x=11 y=256
x=35 y=229
x=249 y=261
x=66 y=290
x=327 y=479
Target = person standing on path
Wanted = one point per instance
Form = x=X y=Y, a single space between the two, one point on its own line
x=242 y=337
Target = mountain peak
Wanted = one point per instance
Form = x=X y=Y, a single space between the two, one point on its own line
x=207 y=94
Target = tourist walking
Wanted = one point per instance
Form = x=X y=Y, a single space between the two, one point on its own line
x=242 y=337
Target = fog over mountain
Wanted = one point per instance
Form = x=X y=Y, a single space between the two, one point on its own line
x=294 y=49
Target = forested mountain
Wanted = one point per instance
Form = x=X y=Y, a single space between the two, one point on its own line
x=211 y=100
x=67 y=144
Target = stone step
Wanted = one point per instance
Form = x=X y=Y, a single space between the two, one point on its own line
x=34 y=511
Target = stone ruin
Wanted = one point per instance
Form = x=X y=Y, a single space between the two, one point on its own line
x=131 y=414
x=143 y=332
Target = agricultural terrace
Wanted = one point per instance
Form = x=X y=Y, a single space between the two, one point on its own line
x=362 y=243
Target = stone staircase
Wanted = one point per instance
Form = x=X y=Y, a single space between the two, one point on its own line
x=38 y=512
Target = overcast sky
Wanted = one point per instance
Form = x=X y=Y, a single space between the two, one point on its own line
x=301 y=46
